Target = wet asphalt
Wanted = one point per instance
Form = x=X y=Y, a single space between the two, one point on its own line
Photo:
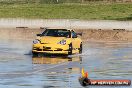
x=19 y=69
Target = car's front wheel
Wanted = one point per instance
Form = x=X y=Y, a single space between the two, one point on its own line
x=70 y=49
x=80 y=49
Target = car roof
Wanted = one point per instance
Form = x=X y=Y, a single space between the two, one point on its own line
x=59 y=28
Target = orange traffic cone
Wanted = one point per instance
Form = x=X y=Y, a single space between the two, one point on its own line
x=84 y=81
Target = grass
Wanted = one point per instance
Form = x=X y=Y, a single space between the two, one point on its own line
x=92 y=11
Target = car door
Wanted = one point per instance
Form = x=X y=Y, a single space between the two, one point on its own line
x=75 y=41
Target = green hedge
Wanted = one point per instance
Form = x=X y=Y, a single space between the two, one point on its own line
x=38 y=1
x=49 y=1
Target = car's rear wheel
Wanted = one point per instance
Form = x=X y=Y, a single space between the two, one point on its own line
x=70 y=49
x=80 y=49
x=35 y=53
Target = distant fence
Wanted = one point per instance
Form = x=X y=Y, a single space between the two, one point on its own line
x=57 y=1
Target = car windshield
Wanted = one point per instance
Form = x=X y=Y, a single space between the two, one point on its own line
x=57 y=33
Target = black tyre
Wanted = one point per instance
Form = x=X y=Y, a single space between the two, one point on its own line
x=80 y=49
x=70 y=49
x=35 y=53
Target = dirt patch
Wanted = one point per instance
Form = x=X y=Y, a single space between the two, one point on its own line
x=19 y=33
x=88 y=34
x=106 y=35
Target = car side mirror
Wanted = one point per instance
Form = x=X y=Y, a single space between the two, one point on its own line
x=39 y=34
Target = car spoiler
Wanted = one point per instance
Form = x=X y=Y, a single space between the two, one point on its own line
x=80 y=34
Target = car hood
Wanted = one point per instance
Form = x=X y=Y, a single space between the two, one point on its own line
x=50 y=40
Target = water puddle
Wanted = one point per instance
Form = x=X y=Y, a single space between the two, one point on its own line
x=18 y=69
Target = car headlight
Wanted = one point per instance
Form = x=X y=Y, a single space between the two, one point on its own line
x=62 y=42
x=36 y=41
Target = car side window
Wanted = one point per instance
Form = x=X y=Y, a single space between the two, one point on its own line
x=74 y=35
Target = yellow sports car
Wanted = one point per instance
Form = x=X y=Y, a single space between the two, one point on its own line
x=57 y=41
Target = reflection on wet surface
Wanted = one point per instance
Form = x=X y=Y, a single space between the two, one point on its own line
x=54 y=59
x=18 y=69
